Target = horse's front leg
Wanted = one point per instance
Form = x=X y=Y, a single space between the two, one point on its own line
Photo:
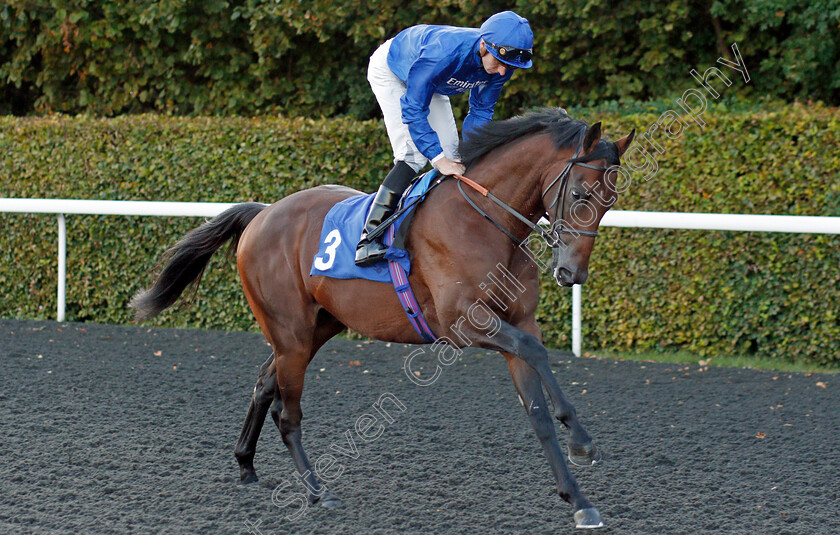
x=528 y=347
x=531 y=371
x=529 y=387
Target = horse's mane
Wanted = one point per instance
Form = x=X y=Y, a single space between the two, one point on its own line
x=565 y=131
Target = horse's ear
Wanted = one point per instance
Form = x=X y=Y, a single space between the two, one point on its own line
x=593 y=135
x=624 y=143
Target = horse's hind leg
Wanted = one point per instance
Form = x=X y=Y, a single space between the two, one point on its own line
x=264 y=392
x=286 y=411
x=290 y=376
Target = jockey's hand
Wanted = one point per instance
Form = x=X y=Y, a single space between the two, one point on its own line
x=450 y=167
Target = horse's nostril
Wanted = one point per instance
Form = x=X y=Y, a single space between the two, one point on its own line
x=567 y=277
x=563 y=275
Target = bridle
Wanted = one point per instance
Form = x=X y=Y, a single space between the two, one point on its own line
x=560 y=207
x=559 y=204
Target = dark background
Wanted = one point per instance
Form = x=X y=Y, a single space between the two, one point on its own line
x=245 y=57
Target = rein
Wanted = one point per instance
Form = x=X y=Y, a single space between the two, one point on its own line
x=559 y=207
x=484 y=191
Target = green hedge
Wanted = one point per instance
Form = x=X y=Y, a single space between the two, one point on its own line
x=247 y=57
x=155 y=158
x=704 y=291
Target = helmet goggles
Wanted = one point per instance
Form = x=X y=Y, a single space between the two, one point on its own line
x=510 y=54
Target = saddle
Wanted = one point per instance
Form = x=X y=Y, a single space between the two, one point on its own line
x=344 y=223
x=342 y=227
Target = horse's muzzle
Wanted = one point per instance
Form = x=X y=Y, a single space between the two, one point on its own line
x=566 y=277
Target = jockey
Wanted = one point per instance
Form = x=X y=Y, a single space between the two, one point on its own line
x=412 y=76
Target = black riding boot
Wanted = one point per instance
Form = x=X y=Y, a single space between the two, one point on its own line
x=368 y=252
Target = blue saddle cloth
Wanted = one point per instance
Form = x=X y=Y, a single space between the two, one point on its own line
x=342 y=228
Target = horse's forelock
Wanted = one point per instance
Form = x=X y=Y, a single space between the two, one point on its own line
x=604 y=150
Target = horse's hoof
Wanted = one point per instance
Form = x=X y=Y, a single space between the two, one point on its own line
x=248 y=476
x=584 y=454
x=588 y=518
x=328 y=500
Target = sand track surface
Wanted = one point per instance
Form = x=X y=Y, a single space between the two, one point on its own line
x=110 y=429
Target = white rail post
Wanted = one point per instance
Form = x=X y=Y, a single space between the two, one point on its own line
x=62 y=268
x=576 y=319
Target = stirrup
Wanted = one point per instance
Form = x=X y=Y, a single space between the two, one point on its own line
x=369 y=252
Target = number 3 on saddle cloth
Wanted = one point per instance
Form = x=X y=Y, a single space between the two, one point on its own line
x=340 y=234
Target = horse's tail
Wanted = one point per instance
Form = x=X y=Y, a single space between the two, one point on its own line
x=187 y=259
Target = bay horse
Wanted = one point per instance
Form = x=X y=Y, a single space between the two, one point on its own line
x=456 y=238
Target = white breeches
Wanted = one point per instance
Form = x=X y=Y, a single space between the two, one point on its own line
x=388 y=90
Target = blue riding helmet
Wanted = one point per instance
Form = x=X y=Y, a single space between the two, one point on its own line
x=508 y=37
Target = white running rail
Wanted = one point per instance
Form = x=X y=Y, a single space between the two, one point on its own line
x=70 y=206
x=626 y=219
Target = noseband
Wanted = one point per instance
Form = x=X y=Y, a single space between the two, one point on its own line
x=559 y=204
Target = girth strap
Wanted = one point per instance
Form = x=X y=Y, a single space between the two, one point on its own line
x=406 y=296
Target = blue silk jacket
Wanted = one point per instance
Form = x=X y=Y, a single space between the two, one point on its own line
x=443 y=60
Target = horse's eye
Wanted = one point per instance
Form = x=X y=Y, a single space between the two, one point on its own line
x=576 y=195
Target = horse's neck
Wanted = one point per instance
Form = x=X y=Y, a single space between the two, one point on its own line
x=514 y=174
